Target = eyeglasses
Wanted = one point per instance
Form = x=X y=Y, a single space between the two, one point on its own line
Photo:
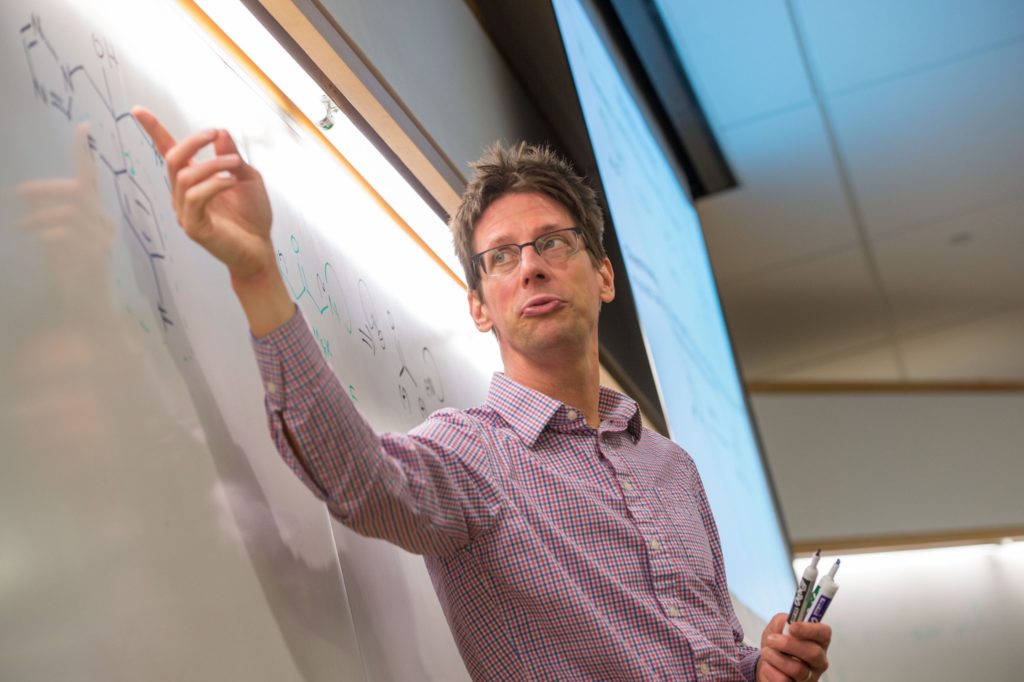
x=553 y=247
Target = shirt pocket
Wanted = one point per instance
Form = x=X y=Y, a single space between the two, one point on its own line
x=687 y=526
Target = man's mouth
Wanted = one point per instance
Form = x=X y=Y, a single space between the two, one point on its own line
x=541 y=305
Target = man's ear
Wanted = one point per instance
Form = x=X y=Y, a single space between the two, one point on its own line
x=607 y=281
x=478 y=311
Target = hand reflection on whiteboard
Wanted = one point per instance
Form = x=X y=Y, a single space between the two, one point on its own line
x=74 y=231
x=66 y=218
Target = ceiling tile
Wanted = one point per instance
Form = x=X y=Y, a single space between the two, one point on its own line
x=988 y=349
x=806 y=312
x=789 y=203
x=942 y=140
x=955 y=268
x=742 y=57
x=878 y=363
x=852 y=43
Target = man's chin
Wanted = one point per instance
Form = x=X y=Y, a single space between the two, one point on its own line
x=547 y=339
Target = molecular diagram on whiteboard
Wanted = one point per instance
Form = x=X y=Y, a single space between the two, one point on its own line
x=418 y=382
x=82 y=93
x=134 y=175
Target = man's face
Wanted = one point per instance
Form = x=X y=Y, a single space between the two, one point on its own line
x=539 y=307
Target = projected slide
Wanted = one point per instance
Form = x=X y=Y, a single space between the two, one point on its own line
x=681 y=319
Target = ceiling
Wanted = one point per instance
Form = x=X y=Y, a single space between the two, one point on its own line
x=876 y=233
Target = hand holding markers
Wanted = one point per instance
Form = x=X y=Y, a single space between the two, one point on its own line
x=792 y=648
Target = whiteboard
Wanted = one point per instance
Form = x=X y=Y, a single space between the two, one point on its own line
x=149 y=529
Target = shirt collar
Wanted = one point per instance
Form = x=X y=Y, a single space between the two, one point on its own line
x=530 y=412
x=620 y=412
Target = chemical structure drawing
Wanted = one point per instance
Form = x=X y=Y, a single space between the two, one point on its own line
x=326 y=292
x=132 y=179
x=369 y=331
x=116 y=142
x=418 y=387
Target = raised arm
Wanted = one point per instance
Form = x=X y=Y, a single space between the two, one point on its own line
x=431 y=491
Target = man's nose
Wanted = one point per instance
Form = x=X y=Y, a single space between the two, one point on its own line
x=531 y=264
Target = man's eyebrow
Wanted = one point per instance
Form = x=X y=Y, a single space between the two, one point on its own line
x=502 y=239
x=498 y=240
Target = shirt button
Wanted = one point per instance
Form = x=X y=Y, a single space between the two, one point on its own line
x=271 y=387
x=704 y=668
x=654 y=544
x=627 y=486
x=673 y=611
x=571 y=415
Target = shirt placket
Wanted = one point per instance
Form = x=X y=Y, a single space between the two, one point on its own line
x=658 y=551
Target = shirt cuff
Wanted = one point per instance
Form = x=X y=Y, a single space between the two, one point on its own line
x=748 y=664
x=289 y=359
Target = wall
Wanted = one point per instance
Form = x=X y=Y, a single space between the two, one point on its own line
x=942 y=615
x=435 y=56
x=857 y=465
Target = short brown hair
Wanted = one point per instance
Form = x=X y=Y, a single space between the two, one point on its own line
x=524 y=168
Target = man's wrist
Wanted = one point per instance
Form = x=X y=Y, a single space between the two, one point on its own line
x=265 y=300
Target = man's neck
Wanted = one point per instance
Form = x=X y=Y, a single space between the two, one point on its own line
x=573 y=379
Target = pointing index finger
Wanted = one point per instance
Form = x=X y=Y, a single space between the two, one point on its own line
x=156 y=131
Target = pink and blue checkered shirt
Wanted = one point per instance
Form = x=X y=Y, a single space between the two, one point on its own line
x=558 y=552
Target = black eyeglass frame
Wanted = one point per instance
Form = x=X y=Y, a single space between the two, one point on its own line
x=477 y=260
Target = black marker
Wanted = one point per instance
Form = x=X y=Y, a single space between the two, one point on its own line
x=803 y=590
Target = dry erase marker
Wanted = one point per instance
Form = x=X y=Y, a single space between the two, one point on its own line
x=803 y=591
x=825 y=594
x=817 y=589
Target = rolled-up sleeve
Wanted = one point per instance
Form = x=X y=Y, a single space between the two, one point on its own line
x=430 y=491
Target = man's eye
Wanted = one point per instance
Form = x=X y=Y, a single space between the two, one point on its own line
x=500 y=257
x=555 y=242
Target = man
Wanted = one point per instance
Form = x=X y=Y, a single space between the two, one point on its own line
x=565 y=540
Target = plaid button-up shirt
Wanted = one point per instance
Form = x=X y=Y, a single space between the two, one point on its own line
x=558 y=551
